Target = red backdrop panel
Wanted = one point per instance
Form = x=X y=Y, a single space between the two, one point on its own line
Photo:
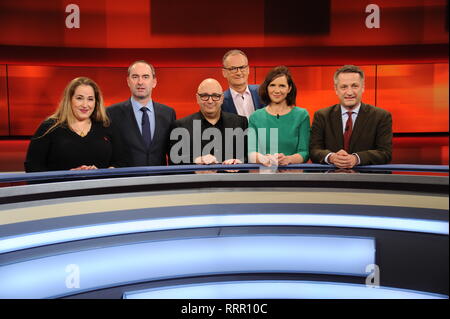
x=315 y=86
x=420 y=150
x=13 y=155
x=153 y=23
x=35 y=91
x=416 y=95
x=4 y=117
x=401 y=22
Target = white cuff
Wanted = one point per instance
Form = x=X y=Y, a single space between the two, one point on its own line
x=326 y=158
x=359 y=160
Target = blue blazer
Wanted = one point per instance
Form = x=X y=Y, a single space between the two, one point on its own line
x=228 y=104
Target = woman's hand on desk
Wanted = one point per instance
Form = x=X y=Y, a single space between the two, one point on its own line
x=84 y=167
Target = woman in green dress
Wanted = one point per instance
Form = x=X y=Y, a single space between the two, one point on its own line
x=279 y=133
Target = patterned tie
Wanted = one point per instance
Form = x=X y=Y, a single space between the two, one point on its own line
x=146 y=133
x=348 y=132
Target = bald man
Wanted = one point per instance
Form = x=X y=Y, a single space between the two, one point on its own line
x=209 y=136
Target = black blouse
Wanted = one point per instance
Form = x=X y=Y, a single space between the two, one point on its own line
x=63 y=149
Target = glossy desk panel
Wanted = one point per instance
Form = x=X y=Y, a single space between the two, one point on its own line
x=275 y=289
x=181 y=257
x=221 y=225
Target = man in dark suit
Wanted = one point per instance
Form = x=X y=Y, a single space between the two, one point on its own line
x=240 y=98
x=209 y=136
x=351 y=133
x=143 y=124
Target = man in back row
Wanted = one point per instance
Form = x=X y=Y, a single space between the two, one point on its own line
x=241 y=98
x=351 y=133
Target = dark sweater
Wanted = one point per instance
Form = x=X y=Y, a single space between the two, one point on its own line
x=226 y=121
x=63 y=149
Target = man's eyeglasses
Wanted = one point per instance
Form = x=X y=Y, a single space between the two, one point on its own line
x=205 y=96
x=234 y=69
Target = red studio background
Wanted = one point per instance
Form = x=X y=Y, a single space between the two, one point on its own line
x=405 y=59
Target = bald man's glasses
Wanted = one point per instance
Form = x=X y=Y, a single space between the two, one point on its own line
x=234 y=69
x=205 y=96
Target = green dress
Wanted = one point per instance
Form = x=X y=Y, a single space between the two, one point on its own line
x=287 y=134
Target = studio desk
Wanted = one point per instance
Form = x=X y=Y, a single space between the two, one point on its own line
x=306 y=231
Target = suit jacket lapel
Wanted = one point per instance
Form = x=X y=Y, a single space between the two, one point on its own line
x=228 y=99
x=336 y=126
x=158 y=120
x=360 y=124
x=255 y=97
x=135 y=132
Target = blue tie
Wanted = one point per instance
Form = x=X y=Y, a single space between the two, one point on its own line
x=146 y=133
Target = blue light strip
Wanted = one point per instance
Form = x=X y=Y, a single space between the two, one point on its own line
x=274 y=289
x=24 y=241
x=47 y=277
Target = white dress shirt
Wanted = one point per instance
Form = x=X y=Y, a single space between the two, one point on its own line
x=344 y=122
x=243 y=102
x=345 y=116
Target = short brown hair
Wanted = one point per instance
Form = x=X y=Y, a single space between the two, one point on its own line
x=272 y=75
x=232 y=52
x=144 y=62
x=348 y=69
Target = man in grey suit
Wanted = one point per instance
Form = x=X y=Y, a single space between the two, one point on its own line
x=241 y=98
x=143 y=124
x=351 y=133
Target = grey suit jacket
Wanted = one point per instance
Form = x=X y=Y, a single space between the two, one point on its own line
x=371 y=137
x=124 y=121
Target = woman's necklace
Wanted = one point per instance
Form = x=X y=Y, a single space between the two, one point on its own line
x=83 y=130
x=82 y=134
